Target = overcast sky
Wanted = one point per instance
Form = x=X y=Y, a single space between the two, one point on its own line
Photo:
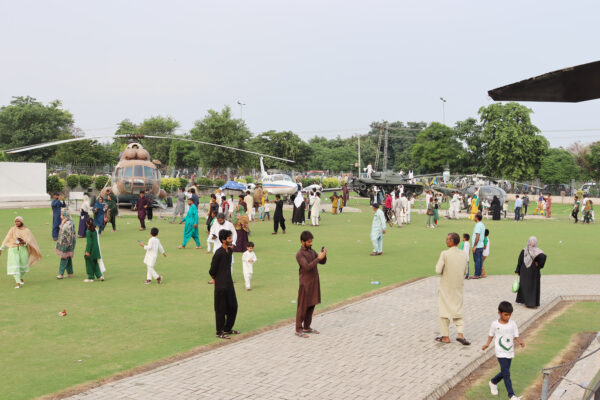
x=314 y=67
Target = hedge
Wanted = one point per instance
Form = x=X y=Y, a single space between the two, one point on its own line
x=72 y=181
x=85 y=181
x=330 y=183
x=100 y=181
x=54 y=184
x=204 y=181
x=170 y=184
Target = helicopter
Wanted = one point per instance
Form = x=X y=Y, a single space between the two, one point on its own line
x=278 y=183
x=134 y=171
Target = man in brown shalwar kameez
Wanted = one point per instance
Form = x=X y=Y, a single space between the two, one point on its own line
x=309 y=292
x=452 y=265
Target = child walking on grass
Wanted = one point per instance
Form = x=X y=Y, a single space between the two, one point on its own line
x=248 y=260
x=152 y=249
x=486 y=252
x=504 y=332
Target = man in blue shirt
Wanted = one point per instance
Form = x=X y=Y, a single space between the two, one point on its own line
x=518 y=205
x=57 y=204
x=477 y=245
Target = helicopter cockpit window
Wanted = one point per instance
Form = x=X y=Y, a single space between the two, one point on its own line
x=138 y=171
x=277 y=177
x=128 y=172
x=287 y=178
x=148 y=172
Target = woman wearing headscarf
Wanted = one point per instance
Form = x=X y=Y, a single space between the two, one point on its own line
x=496 y=208
x=334 y=203
x=23 y=251
x=240 y=222
x=65 y=245
x=531 y=261
x=84 y=215
x=92 y=253
x=99 y=212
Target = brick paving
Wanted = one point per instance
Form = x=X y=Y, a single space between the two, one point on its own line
x=379 y=347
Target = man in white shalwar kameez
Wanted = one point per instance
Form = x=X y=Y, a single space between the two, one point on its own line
x=405 y=208
x=397 y=209
x=452 y=266
x=315 y=209
x=217 y=226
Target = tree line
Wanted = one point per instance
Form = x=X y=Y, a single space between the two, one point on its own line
x=500 y=142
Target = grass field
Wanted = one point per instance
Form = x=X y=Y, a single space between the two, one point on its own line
x=552 y=338
x=119 y=324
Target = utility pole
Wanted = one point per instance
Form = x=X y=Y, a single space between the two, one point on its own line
x=385 y=147
x=241 y=109
x=443 y=110
x=359 y=156
x=378 y=148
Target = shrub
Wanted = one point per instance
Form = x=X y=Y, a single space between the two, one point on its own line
x=62 y=174
x=54 y=184
x=169 y=184
x=72 y=181
x=310 y=181
x=85 y=181
x=204 y=181
x=100 y=181
x=248 y=179
x=183 y=182
x=219 y=182
x=330 y=183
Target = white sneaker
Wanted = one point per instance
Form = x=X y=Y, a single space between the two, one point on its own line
x=515 y=398
x=493 y=388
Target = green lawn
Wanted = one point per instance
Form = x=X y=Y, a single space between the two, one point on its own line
x=552 y=338
x=119 y=324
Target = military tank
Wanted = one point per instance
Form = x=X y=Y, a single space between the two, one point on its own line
x=388 y=181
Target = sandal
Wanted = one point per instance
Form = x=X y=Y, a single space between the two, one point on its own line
x=439 y=339
x=233 y=332
x=59 y=276
x=463 y=341
x=223 y=336
x=311 y=330
x=302 y=335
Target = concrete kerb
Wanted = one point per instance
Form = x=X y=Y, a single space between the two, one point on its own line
x=439 y=392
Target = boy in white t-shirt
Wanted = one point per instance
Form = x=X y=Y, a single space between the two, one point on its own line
x=504 y=332
x=248 y=260
x=152 y=249
x=465 y=246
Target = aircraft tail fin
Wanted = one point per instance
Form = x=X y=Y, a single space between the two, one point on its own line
x=263 y=173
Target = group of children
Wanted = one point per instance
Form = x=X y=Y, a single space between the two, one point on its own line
x=154 y=246
x=465 y=246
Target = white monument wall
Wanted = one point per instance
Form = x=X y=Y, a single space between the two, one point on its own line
x=21 y=181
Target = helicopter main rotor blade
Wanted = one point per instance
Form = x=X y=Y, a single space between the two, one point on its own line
x=49 y=144
x=216 y=145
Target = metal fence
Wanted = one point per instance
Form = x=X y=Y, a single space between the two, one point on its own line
x=554 y=376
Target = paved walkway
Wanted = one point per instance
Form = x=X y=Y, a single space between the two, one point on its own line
x=380 y=347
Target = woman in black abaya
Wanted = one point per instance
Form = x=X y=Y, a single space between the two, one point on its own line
x=531 y=261
x=495 y=208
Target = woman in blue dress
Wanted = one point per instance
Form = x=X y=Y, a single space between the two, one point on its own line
x=99 y=213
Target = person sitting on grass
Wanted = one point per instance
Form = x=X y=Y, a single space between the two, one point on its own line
x=504 y=333
x=152 y=249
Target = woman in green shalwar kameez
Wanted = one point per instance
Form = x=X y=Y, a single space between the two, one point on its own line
x=65 y=245
x=23 y=251
x=92 y=253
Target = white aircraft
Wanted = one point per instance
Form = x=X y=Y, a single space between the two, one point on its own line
x=278 y=183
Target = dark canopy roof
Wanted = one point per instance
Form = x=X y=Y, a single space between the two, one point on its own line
x=572 y=85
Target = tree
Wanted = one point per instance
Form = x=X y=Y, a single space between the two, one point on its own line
x=85 y=152
x=184 y=154
x=158 y=126
x=282 y=144
x=27 y=121
x=220 y=128
x=513 y=148
x=436 y=147
x=471 y=133
x=594 y=161
x=558 y=166
x=581 y=155
x=334 y=155
x=72 y=181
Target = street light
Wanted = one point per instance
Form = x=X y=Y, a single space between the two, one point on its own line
x=241 y=109
x=443 y=110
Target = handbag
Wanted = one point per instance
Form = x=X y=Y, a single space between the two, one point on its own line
x=515 y=285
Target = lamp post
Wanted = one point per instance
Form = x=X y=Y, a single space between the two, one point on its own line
x=241 y=109
x=443 y=110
